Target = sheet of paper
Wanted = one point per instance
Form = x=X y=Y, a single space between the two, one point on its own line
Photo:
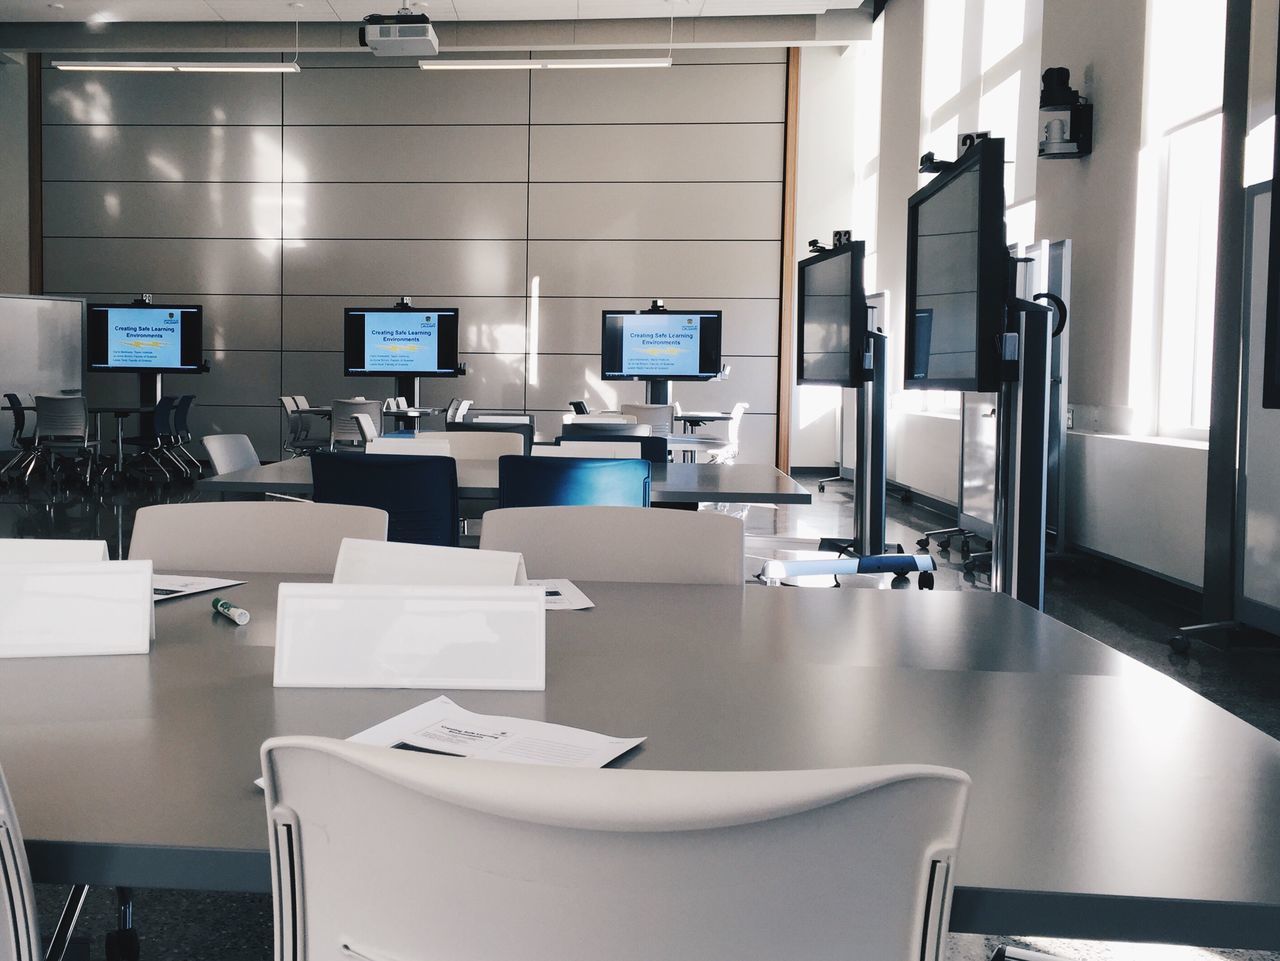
x=440 y=726
x=563 y=595
x=165 y=587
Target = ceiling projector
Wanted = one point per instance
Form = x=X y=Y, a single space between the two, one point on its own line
x=403 y=34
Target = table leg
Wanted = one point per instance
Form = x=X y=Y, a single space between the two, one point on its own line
x=119 y=443
x=67 y=922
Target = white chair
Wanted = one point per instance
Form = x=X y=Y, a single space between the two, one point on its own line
x=19 y=927
x=367 y=427
x=634 y=544
x=551 y=863
x=461 y=412
x=230 y=452
x=660 y=417
x=344 y=430
x=401 y=403
x=297 y=537
x=577 y=448
x=728 y=453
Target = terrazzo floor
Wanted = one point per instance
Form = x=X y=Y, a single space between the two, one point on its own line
x=1133 y=614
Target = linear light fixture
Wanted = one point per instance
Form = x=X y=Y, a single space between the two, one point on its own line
x=564 y=64
x=171 y=66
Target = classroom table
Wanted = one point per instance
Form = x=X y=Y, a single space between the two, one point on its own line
x=691 y=420
x=670 y=483
x=1108 y=801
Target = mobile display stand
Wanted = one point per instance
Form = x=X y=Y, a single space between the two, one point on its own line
x=407 y=385
x=659 y=391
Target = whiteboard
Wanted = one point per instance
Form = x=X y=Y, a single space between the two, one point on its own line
x=1258 y=493
x=42 y=345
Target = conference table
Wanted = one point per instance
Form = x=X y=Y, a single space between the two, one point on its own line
x=478 y=479
x=1108 y=801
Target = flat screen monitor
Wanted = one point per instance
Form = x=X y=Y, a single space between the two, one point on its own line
x=660 y=345
x=958 y=275
x=144 y=338
x=832 y=330
x=400 y=342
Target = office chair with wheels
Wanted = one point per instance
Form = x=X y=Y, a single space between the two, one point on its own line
x=22 y=444
x=659 y=417
x=181 y=436
x=633 y=865
x=344 y=431
x=62 y=429
x=555 y=481
x=728 y=452
x=419 y=493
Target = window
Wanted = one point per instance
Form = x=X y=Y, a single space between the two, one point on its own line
x=1175 y=266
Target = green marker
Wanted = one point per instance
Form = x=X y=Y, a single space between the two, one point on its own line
x=237 y=614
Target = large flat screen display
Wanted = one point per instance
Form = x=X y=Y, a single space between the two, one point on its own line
x=660 y=345
x=396 y=342
x=832 y=329
x=957 y=274
x=144 y=338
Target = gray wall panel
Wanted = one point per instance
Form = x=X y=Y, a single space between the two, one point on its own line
x=161 y=153
x=379 y=96
x=491 y=325
x=245 y=378
x=667 y=269
x=362 y=154
x=482 y=268
x=565 y=377
x=754 y=93
x=664 y=152
x=129 y=266
x=751 y=379
x=412 y=211
x=572 y=324
x=103 y=209
x=493 y=380
x=701 y=211
x=151 y=98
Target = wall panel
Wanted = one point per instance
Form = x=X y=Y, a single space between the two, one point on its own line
x=276 y=202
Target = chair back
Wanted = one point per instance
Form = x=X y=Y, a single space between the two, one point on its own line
x=451 y=411
x=230 y=452
x=548 y=481
x=300 y=401
x=735 y=423
x=659 y=417
x=632 y=865
x=290 y=404
x=19 y=927
x=61 y=416
x=367 y=427
x=463 y=407
x=525 y=431
x=579 y=407
x=181 y=414
x=250 y=536
x=14 y=403
x=162 y=416
x=419 y=494
x=652 y=449
x=625 y=544
x=401 y=403
x=344 y=429
x=615 y=429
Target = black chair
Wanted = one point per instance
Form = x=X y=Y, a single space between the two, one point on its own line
x=151 y=453
x=579 y=407
x=566 y=481
x=610 y=430
x=22 y=445
x=181 y=436
x=524 y=430
x=652 y=449
x=419 y=493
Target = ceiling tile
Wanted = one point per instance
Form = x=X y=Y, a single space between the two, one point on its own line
x=353 y=10
x=272 y=11
x=630 y=9
x=758 y=8
x=106 y=11
x=516 y=9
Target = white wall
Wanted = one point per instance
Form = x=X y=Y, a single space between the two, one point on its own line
x=825 y=180
x=14 y=224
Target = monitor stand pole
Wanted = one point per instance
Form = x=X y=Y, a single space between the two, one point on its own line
x=150 y=390
x=657 y=392
x=407 y=387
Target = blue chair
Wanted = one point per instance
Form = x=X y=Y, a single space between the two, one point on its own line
x=559 y=482
x=420 y=493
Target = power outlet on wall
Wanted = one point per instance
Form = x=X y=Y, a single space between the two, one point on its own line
x=1071 y=418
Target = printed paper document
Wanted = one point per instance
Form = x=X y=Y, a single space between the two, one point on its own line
x=563 y=595
x=165 y=587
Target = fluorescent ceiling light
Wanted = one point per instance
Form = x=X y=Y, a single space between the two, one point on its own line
x=581 y=64
x=169 y=66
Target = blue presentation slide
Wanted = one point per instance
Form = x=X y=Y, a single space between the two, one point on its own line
x=144 y=337
x=664 y=345
x=406 y=340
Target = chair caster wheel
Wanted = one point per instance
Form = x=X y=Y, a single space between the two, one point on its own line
x=965 y=550
x=923 y=543
x=900 y=582
x=822 y=488
x=925 y=581
x=123 y=945
x=1179 y=643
